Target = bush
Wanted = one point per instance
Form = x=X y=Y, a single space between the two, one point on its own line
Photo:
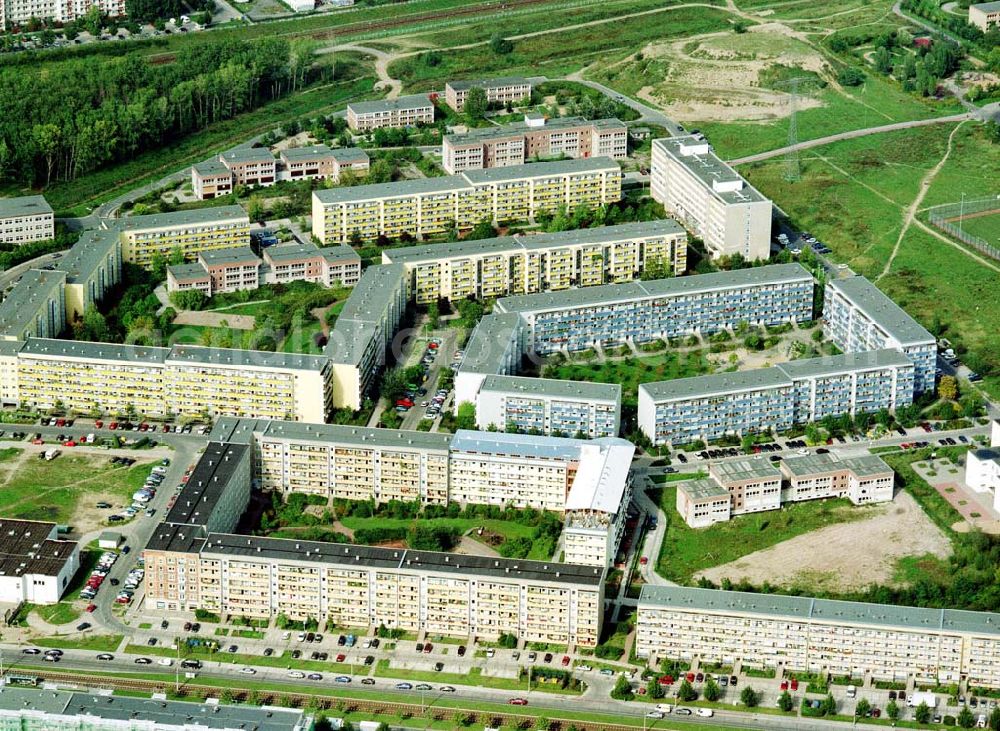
x=850 y=76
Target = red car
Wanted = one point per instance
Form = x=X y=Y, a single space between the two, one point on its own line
x=341 y=658
x=518 y=701
x=428 y=647
x=690 y=677
x=644 y=560
x=795 y=684
x=784 y=685
x=99 y=424
x=69 y=443
x=565 y=660
x=166 y=428
x=113 y=425
x=38 y=441
x=91 y=608
x=666 y=680
x=60 y=422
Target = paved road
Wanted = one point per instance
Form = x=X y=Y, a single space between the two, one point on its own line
x=848 y=136
x=649 y=114
x=8 y=276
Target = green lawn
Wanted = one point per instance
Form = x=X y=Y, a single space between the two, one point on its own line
x=43 y=490
x=631 y=371
x=300 y=339
x=475 y=678
x=986 y=227
x=853 y=194
x=686 y=551
x=96 y=643
x=59 y=613
x=9 y=453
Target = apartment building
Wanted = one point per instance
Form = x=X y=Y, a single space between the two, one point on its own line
x=495 y=347
x=516 y=144
x=251 y=166
x=711 y=199
x=529 y=264
x=426 y=206
x=805 y=634
x=143 y=237
x=368 y=587
x=404 y=111
x=982 y=472
x=26 y=218
x=776 y=398
x=92 y=266
x=185 y=379
x=754 y=485
x=498 y=91
x=985 y=16
x=251 y=383
x=9 y=392
x=238 y=268
x=862 y=480
x=35 y=564
x=645 y=311
x=857 y=316
x=35 y=307
x=35 y=709
x=211 y=179
x=319 y=161
x=217 y=492
x=550 y=407
x=359 y=341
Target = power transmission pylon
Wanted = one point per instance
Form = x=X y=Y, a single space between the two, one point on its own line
x=792 y=172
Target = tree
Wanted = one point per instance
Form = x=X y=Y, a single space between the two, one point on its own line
x=749 y=697
x=922 y=714
x=476 y=103
x=785 y=702
x=965 y=718
x=47 y=140
x=828 y=707
x=892 y=710
x=712 y=690
x=654 y=690
x=862 y=708
x=622 y=690
x=850 y=76
x=686 y=692
x=994 y=722
x=500 y=45
x=381 y=171
x=465 y=417
x=176 y=256
x=948 y=388
x=255 y=208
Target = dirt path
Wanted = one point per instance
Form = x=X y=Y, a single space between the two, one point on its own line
x=911 y=211
x=843 y=557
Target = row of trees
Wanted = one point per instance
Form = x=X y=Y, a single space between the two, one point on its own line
x=83 y=114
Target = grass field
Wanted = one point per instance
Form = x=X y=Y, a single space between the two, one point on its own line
x=853 y=195
x=686 y=551
x=986 y=227
x=632 y=371
x=41 y=490
x=93 y=643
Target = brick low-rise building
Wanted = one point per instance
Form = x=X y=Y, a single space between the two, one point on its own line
x=26 y=219
x=404 y=111
x=498 y=91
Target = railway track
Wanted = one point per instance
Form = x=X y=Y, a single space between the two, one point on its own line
x=398 y=22
x=320 y=701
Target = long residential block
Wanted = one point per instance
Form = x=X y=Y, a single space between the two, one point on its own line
x=430 y=205
x=365 y=587
x=185 y=379
x=92 y=266
x=776 y=398
x=857 y=317
x=404 y=111
x=143 y=237
x=645 y=311
x=804 y=634
x=710 y=198
x=35 y=307
x=503 y=90
x=516 y=144
x=510 y=265
x=26 y=219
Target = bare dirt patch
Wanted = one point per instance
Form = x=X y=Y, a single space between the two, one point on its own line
x=843 y=557
x=215 y=319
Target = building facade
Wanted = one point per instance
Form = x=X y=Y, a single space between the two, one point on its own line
x=92 y=266
x=985 y=16
x=211 y=179
x=509 y=265
x=431 y=205
x=774 y=399
x=35 y=307
x=27 y=218
x=803 y=634
x=858 y=317
x=35 y=565
x=498 y=91
x=516 y=144
x=145 y=237
x=710 y=198
x=404 y=111
x=251 y=166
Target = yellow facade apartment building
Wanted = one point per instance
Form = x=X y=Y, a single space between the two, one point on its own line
x=190 y=231
x=429 y=206
x=364 y=587
x=544 y=262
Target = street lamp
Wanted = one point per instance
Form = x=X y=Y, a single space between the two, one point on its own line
x=961 y=213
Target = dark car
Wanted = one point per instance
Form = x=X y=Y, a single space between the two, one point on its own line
x=461 y=650
x=548 y=657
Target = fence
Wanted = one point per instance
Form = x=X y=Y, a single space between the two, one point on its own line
x=949 y=217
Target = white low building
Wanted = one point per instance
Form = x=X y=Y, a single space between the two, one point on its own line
x=35 y=566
